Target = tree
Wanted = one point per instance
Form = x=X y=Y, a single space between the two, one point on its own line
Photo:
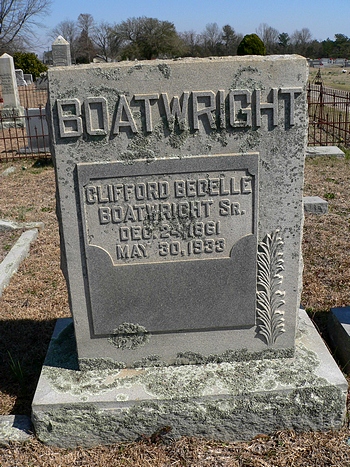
x=86 y=23
x=102 y=39
x=29 y=63
x=192 y=43
x=18 y=18
x=269 y=36
x=284 y=41
x=251 y=44
x=212 y=39
x=301 y=40
x=147 y=38
x=341 y=46
x=327 y=48
x=85 y=49
x=230 y=40
x=84 y=45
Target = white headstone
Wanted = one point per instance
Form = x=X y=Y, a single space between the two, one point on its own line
x=28 y=78
x=9 y=82
x=61 y=52
x=11 y=111
x=20 y=78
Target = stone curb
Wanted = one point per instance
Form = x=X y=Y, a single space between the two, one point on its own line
x=13 y=259
x=313 y=151
x=6 y=226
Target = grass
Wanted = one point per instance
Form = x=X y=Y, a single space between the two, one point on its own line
x=332 y=77
x=37 y=296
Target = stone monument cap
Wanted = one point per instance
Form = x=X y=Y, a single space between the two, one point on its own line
x=60 y=40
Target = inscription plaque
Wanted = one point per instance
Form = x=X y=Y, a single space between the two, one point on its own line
x=171 y=215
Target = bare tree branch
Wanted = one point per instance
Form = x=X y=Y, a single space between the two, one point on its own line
x=17 y=19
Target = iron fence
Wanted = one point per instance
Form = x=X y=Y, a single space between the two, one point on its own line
x=25 y=134
x=329 y=116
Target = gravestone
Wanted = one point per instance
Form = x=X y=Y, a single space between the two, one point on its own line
x=28 y=78
x=37 y=131
x=12 y=109
x=20 y=78
x=61 y=52
x=179 y=189
x=41 y=82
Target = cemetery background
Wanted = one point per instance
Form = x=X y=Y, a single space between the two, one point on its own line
x=37 y=296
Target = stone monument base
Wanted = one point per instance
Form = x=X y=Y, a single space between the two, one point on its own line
x=227 y=401
x=12 y=117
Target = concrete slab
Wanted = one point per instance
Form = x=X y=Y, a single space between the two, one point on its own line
x=228 y=401
x=339 y=332
x=313 y=151
x=315 y=205
x=15 y=428
x=13 y=259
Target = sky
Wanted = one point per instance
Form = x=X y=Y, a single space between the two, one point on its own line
x=324 y=18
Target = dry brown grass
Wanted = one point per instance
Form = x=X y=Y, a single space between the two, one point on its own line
x=332 y=77
x=284 y=449
x=37 y=295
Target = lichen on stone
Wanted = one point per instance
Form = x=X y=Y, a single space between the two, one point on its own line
x=220 y=418
x=149 y=361
x=87 y=364
x=165 y=69
x=129 y=336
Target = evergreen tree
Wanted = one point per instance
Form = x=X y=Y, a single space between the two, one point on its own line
x=251 y=44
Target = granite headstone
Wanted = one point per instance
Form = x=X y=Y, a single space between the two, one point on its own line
x=180 y=202
x=179 y=189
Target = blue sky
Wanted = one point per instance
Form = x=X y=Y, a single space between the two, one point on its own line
x=323 y=18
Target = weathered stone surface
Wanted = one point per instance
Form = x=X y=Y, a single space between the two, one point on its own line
x=12 y=110
x=8 y=82
x=61 y=55
x=314 y=151
x=15 y=428
x=226 y=401
x=315 y=205
x=180 y=191
x=37 y=131
x=11 y=225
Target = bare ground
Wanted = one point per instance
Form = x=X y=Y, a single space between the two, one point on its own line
x=37 y=296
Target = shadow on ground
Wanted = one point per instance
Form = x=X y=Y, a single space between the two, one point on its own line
x=23 y=346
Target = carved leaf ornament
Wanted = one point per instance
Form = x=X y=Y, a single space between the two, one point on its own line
x=269 y=296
